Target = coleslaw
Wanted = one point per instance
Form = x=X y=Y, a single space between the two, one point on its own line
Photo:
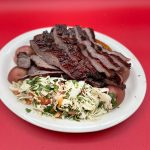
x=65 y=99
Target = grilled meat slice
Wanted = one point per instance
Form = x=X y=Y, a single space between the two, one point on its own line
x=40 y=63
x=34 y=71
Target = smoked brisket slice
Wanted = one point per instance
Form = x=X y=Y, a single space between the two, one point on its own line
x=91 y=36
x=90 y=33
x=75 y=52
x=56 y=58
x=40 y=63
x=60 y=59
x=109 y=64
x=35 y=71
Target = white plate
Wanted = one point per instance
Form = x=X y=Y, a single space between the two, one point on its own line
x=135 y=91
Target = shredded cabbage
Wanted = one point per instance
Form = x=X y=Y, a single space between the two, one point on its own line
x=62 y=98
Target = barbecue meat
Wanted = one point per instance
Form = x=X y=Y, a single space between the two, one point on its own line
x=74 y=53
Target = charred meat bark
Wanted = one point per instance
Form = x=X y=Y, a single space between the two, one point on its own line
x=75 y=53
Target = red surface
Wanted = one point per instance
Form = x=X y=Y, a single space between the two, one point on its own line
x=127 y=22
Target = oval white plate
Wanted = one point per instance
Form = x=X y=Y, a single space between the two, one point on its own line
x=135 y=91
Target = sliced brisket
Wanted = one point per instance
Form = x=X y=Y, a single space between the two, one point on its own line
x=115 y=53
x=56 y=58
x=34 y=71
x=103 y=58
x=40 y=63
x=90 y=34
x=95 y=62
x=75 y=53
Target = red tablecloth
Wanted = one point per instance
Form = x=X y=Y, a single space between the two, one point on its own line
x=127 y=22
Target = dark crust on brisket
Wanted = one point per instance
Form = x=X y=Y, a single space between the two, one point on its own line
x=56 y=57
x=75 y=54
x=65 y=49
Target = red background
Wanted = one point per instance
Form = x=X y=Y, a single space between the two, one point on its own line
x=126 y=21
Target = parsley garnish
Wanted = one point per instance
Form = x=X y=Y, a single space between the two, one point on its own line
x=101 y=104
x=53 y=87
x=49 y=109
x=75 y=83
x=55 y=80
x=56 y=88
x=33 y=81
x=67 y=94
x=28 y=110
x=113 y=100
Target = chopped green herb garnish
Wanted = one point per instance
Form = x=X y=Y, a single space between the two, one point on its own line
x=67 y=94
x=49 y=109
x=114 y=103
x=37 y=93
x=55 y=80
x=28 y=110
x=75 y=83
x=112 y=95
x=35 y=103
x=76 y=117
x=47 y=88
x=48 y=96
x=56 y=88
x=101 y=104
x=33 y=80
x=113 y=100
x=79 y=97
